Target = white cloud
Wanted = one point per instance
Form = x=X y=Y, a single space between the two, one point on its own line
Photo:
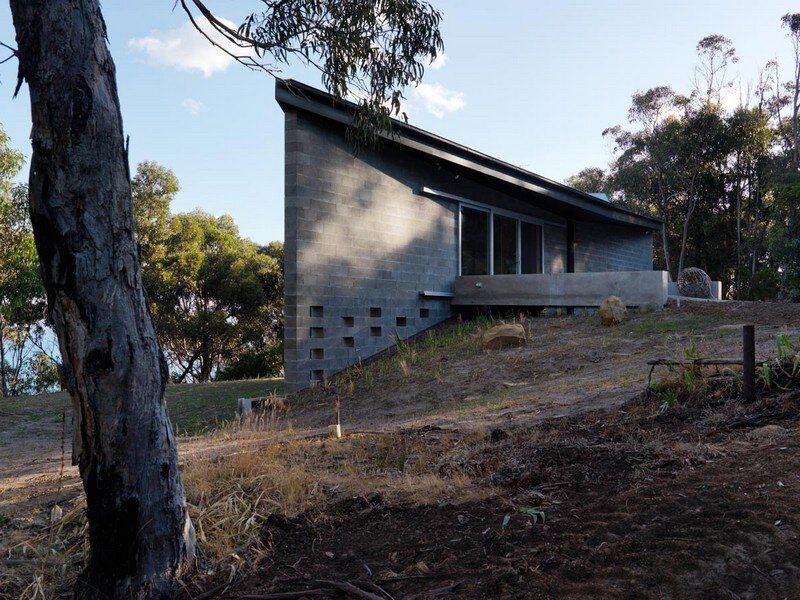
x=195 y=107
x=186 y=49
x=439 y=61
x=438 y=100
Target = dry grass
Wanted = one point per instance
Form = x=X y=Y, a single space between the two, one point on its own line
x=231 y=497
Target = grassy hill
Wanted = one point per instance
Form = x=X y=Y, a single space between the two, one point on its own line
x=193 y=408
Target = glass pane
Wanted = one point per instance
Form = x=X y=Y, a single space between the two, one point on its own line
x=531 y=248
x=505 y=246
x=474 y=242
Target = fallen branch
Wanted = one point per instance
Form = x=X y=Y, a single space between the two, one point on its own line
x=672 y=362
x=352 y=590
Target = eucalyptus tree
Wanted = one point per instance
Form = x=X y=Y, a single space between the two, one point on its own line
x=21 y=293
x=82 y=215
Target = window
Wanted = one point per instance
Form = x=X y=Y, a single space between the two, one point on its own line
x=474 y=241
x=505 y=245
x=512 y=244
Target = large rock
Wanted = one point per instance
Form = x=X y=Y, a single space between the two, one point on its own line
x=612 y=311
x=504 y=336
x=694 y=283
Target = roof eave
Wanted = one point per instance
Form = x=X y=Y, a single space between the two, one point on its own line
x=289 y=93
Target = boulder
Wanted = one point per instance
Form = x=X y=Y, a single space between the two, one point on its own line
x=504 y=336
x=694 y=283
x=612 y=311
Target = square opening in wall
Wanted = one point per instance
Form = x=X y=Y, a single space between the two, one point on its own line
x=375 y=331
x=349 y=342
x=424 y=313
x=348 y=321
x=317 y=332
x=317 y=353
x=317 y=375
x=375 y=312
x=401 y=321
x=316 y=311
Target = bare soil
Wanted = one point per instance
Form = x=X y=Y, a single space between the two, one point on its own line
x=700 y=501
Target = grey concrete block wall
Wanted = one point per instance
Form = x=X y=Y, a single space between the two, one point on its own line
x=361 y=244
x=603 y=247
x=360 y=247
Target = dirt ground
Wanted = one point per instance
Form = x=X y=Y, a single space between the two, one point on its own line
x=692 y=504
x=580 y=486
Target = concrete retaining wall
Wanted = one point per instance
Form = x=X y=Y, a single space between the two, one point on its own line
x=716 y=289
x=636 y=288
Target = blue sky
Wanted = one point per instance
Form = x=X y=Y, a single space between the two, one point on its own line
x=531 y=82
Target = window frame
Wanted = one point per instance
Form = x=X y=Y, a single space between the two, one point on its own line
x=518 y=217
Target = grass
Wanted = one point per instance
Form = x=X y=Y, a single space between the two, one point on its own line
x=230 y=498
x=693 y=324
x=196 y=408
x=193 y=408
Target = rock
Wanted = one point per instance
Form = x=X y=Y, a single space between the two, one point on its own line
x=694 y=283
x=503 y=336
x=56 y=513
x=612 y=311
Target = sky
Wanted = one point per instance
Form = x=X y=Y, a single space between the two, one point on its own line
x=531 y=82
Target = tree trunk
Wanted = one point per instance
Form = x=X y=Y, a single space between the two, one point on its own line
x=3 y=383
x=684 y=238
x=81 y=210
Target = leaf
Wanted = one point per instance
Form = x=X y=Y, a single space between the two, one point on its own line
x=506 y=520
x=534 y=514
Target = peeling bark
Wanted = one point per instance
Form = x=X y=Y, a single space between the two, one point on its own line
x=81 y=210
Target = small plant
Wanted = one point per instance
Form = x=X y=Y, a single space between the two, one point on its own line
x=787 y=351
x=668 y=399
x=534 y=515
x=766 y=375
x=689 y=378
x=691 y=372
x=692 y=352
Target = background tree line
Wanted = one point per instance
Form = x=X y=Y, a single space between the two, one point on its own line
x=720 y=165
x=217 y=298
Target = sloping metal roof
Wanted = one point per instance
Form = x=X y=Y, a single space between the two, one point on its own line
x=540 y=191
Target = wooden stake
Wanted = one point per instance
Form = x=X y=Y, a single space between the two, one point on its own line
x=749 y=362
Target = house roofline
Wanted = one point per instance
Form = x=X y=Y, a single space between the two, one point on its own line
x=293 y=94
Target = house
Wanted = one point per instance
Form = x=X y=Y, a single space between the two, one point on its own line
x=382 y=244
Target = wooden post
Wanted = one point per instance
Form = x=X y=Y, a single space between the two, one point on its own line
x=749 y=362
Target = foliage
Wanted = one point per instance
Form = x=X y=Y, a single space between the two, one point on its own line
x=22 y=302
x=365 y=50
x=216 y=298
x=154 y=187
x=723 y=178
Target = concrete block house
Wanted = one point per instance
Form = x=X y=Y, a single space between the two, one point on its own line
x=384 y=243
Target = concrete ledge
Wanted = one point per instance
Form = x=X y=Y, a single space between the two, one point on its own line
x=636 y=288
x=716 y=290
